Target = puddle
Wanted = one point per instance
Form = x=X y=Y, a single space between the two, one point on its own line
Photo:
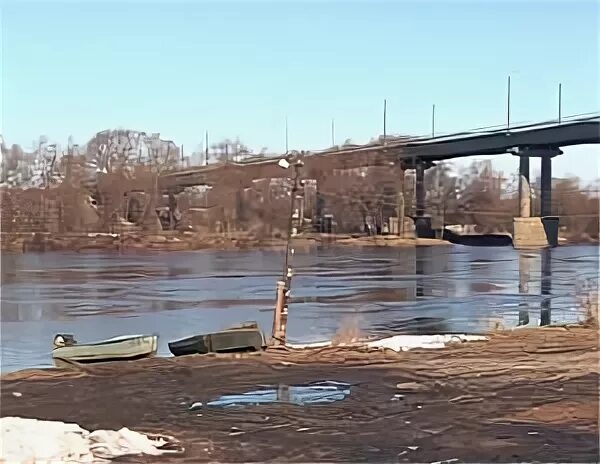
x=323 y=392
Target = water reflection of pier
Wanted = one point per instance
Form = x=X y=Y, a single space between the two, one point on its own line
x=429 y=262
x=526 y=262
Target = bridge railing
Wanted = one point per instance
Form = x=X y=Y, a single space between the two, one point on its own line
x=582 y=117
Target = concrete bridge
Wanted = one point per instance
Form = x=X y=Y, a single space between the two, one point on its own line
x=542 y=140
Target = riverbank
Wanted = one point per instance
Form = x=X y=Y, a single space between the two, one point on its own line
x=524 y=395
x=187 y=241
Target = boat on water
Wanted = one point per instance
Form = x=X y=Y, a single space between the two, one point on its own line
x=468 y=236
x=123 y=348
x=244 y=338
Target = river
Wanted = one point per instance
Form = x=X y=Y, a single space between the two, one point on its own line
x=380 y=290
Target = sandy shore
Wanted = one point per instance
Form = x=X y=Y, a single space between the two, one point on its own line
x=525 y=395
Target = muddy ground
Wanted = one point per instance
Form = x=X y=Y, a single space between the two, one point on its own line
x=526 y=395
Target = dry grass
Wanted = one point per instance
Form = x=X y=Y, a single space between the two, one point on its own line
x=590 y=302
x=348 y=331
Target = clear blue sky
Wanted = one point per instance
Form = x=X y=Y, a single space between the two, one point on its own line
x=237 y=69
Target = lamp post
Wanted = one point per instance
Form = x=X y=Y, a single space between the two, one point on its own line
x=284 y=285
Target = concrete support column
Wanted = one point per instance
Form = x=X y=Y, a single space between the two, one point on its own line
x=420 y=189
x=524 y=190
x=172 y=208
x=524 y=167
x=400 y=213
x=422 y=221
x=546 y=186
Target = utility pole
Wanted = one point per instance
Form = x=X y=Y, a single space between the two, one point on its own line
x=206 y=150
x=286 y=135
x=384 y=121
x=433 y=121
x=332 y=132
x=559 y=103
x=508 y=106
x=283 y=286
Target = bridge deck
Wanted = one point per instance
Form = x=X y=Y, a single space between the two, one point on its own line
x=576 y=132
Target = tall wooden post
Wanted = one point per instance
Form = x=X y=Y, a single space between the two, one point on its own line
x=280 y=319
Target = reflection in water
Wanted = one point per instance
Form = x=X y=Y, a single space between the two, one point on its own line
x=524 y=275
x=301 y=395
x=429 y=264
x=525 y=263
x=546 y=286
x=380 y=290
x=420 y=258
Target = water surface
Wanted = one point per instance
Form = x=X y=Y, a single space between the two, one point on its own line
x=380 y=290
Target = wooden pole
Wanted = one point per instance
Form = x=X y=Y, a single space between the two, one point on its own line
x=280 y=317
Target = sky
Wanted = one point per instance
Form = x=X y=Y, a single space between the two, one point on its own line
x=240 y=68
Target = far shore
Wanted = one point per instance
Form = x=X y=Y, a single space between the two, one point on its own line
x=188 y=241
x=191 y=241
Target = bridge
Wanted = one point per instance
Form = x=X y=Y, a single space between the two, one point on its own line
x=411 y=150
x=578 y=132
x=543 y=140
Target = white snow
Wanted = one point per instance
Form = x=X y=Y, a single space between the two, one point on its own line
x=34 y=441
x=301 y=346
x=400 y=342
x=409 y=342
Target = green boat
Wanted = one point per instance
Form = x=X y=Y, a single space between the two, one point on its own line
x=123 y=348
x=242 y=338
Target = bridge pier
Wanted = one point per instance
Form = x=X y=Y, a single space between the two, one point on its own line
x=420 y=189
x=422 y=221
x=546 y=187
x=535 y=232
x=524 y=188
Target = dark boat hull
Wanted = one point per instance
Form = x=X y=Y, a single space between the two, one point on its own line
x=229 y=341
x=477 y=239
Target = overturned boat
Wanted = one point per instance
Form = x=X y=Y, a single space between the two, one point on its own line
x=243 y=338
x=127 y=347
